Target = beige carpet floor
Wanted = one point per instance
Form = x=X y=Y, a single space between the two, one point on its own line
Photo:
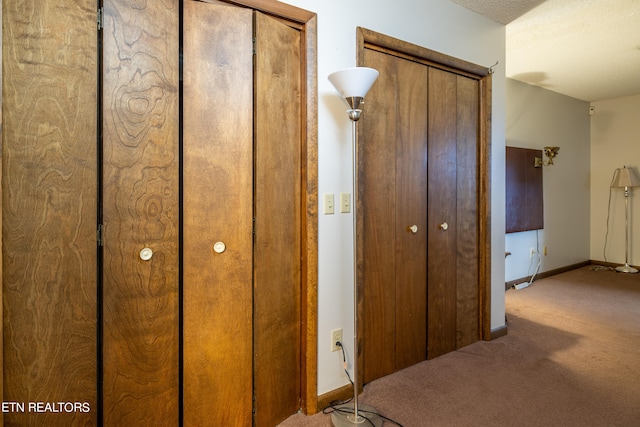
x=571 y=358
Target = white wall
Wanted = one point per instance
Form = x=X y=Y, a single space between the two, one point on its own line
x=615 y=142
x=435 y=24
x=536 y=118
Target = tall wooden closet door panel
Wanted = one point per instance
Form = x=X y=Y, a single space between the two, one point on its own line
x=377 y=214
x=467 y=256
x=393 y=191
x=411 y=216
x=218 y=214
x=140 y=213
x=419 y=164
x=442 y=214
x=49 y=205
x=278 y=204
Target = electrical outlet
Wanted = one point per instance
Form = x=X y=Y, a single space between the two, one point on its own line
x=531 y=252
x=545 y=251
x=336 y=336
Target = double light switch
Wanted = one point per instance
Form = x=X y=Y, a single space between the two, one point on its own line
x=329 y=203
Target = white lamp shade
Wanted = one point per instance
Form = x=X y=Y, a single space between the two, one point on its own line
x=353 y=82
x=625 y=177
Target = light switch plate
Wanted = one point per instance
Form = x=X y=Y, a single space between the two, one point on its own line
x=329 y=204
x=345 y=202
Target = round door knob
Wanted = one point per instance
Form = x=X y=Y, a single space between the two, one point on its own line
x=444 y=226
x=219 y=247
x=146 y=254
x=413 y=229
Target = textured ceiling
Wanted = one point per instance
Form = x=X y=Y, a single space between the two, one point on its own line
x=586 y=49
x=502 y=11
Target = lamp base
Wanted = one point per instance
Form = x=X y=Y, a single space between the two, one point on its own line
x=626 y=269
x=344 y=416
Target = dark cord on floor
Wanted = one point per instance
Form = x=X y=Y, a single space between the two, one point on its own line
x=335 y=406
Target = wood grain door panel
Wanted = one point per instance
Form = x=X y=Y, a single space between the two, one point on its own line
x=393 y=197
x=140 y=210
x=442 y=197
x=467 y=215
x=454 y=310
x=218 y=207
x=376 y=206
x=419 y=165
x=411 y=209
x=49 y=205
x=85 y=147
x=278 y=205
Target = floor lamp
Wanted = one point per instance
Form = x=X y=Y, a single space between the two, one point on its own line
x=353 y=84
x=625 y=178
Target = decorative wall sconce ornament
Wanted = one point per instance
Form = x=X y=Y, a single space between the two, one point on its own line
x=550 y=152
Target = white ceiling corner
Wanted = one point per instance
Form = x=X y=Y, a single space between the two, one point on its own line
x=502 y=11
x=586 y=49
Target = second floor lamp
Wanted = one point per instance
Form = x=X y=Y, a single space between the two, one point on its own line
x=625 y=178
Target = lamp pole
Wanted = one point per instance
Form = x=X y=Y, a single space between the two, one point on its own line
x=626 y=268
x=354 y=115
x=353 y=84
x=625 y=178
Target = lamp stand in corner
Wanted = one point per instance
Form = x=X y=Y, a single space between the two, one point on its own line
x=625 y=178
x=353 y=84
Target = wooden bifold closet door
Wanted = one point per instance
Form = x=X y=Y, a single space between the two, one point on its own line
x=235 y=183
x=393 y=192
x=420 y=172
x=277 y=271
x=49 y=198
x=218 y=209
x=453 y=281
x=140 y=210
x=242 y=189
x=159 y=212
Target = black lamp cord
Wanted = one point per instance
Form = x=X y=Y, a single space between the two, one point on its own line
x=334 y=406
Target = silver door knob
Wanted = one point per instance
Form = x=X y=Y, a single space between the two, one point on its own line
x=146 y=254
x=413 y=229
x=219 y=247
x=444 y=226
